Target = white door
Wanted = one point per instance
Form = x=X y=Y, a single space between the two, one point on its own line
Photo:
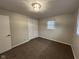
x=5 y=38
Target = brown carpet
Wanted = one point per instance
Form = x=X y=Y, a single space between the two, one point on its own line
x=40 y=48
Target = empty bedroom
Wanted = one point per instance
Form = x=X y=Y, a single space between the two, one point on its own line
x=39 y=29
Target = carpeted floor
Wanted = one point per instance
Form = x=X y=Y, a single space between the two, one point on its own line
x=40 y=48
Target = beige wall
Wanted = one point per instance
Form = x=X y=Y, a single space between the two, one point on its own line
x=20 y=27
x=75 y=44
x=63 y=31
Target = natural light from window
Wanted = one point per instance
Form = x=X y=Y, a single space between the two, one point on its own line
x=78 y=26
x=51 y=25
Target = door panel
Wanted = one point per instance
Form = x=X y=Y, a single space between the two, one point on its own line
x=5 y=40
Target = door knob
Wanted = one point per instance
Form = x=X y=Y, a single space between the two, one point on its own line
x=9 y=35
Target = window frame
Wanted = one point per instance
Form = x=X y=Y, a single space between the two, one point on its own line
x=51 y=24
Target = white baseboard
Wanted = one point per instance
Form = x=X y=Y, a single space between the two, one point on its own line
x=41 y=37
x=23 y=42
x=73 y=52
x=16 y=46
x=58 y=41
x=19 y=44
x=5 y=51
x=62 y=42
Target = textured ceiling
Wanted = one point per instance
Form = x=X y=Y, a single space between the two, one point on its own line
x=49 y=7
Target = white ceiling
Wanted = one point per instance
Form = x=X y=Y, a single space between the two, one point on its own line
x=49 y=7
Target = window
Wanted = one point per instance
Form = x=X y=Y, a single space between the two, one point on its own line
x=51 y=25
x=78 y=26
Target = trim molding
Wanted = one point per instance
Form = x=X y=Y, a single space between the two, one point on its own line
x=73 y=52
x=62 y=42
x=58 y=41
x=20 y=44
